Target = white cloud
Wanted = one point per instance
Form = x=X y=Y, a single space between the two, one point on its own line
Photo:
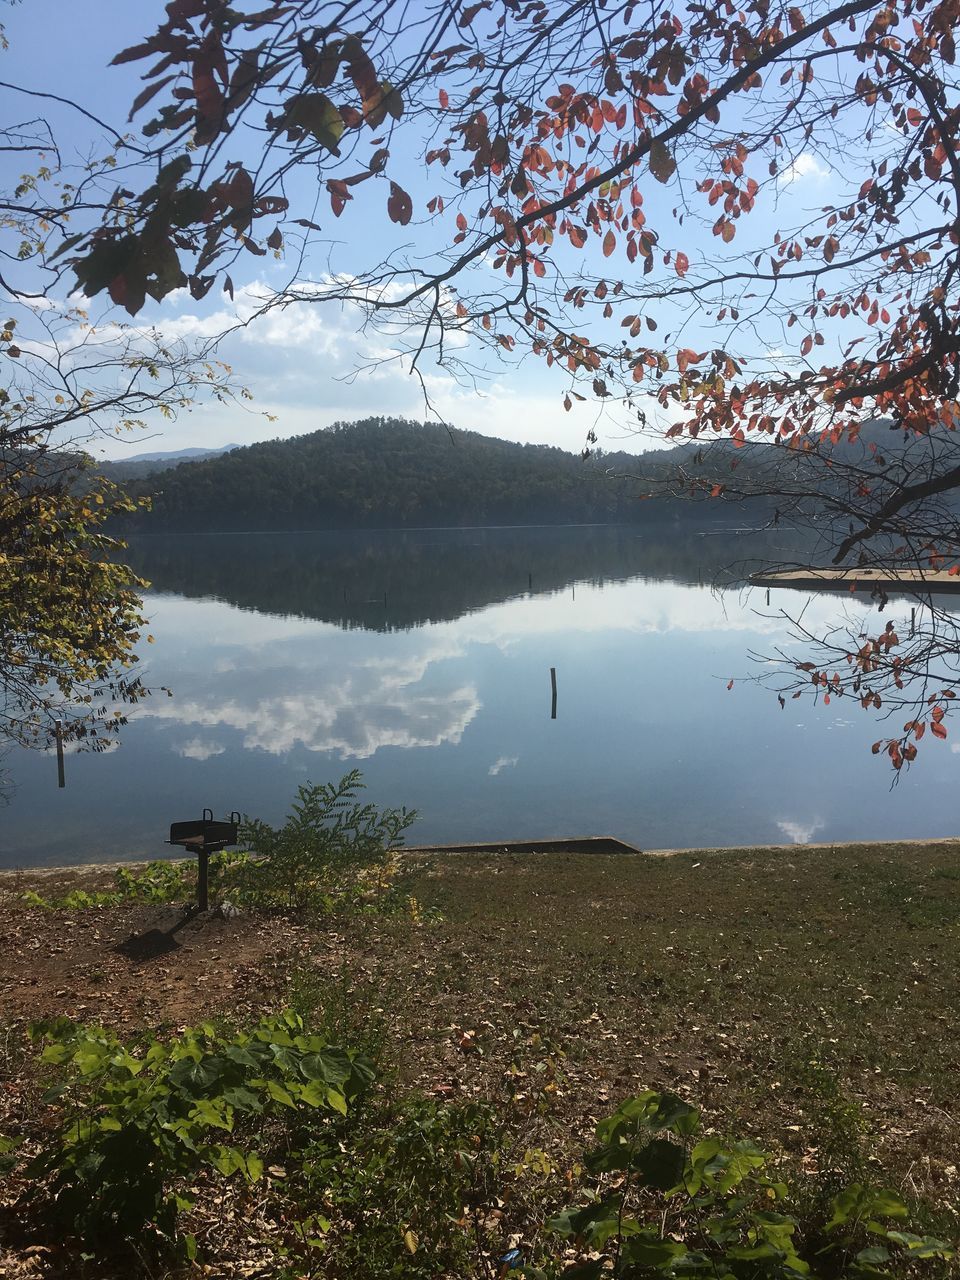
x=503 y=762
x=806 y=165
x=301 y=364
x=353 y=704
x=800 y=832
x=197 y=749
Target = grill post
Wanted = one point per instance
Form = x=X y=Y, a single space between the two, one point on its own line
x=203 y=878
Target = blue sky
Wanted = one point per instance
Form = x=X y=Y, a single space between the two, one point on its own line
x=301 y=364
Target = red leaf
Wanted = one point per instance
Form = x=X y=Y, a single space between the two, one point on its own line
x=609 y=244
x=444 y=99
x=399 y=206
x=730 y=685
x=682 y=264
x=938 y=730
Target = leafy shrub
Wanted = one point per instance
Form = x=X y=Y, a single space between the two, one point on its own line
x=673 y=1207
x=159 y=881
x=139 y=1122
x=331 y=849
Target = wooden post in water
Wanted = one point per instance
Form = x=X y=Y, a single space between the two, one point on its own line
x=58 y=730
x=913 y=620
x=553 y=693
x=529 y=581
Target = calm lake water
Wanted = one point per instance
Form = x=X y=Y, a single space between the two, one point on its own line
x=423 y=658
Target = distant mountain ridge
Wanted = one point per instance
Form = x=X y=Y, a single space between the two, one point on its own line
x=139 y=465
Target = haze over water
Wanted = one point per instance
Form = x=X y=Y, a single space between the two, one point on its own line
x=423 y=658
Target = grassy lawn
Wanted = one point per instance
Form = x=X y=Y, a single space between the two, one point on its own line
x=809 y=996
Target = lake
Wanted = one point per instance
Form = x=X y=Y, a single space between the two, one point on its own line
x=423 y=658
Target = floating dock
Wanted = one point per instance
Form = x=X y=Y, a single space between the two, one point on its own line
x=909 y=581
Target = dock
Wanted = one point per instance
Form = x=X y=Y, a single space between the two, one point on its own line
x=909 y=581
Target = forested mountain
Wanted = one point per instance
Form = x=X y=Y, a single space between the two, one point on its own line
x=383 y=473
x=390 y=473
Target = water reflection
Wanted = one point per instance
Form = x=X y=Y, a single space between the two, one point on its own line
x=442 y=696
x=396 y=579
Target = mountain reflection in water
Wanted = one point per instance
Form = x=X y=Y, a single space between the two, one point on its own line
x=423 y=657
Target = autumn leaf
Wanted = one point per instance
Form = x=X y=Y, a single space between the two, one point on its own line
x=662 y=164
x=399 y=206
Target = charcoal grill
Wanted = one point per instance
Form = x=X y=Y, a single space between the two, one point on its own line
x=204 y=836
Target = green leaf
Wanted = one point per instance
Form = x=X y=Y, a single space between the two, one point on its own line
x=647 y=1249
x=315 y=113
x=660 y=1164
x=337 y=1101
x=858 y=1204
x=921 y=1246
x=313 y=1094
x=279 y=1094
x=873 y=1255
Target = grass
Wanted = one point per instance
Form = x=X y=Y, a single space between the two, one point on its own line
x=809 y=997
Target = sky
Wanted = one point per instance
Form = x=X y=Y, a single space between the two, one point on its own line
x=300 y=365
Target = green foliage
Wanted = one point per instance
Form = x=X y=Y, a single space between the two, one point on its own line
x=330 y=850
x=400 y=1194
x=677 y=1206
x=159 y=881
x=137 y=1123
x=70 y=614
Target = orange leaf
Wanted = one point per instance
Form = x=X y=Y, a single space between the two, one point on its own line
x=938 y=730
x=609 y=244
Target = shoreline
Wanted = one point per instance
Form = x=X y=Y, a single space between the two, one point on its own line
x=523 y=848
